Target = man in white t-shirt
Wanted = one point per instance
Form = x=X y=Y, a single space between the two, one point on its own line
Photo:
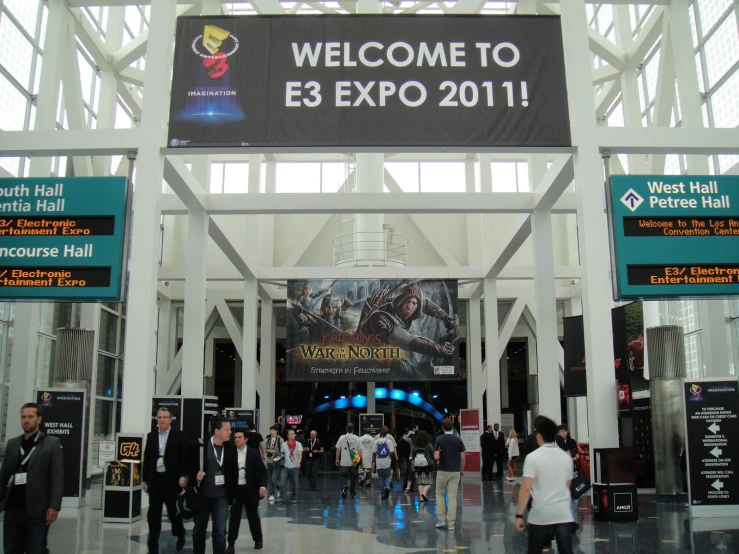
x=366 y=441
x=547 y=473
x=383 y=451
x=345 y=446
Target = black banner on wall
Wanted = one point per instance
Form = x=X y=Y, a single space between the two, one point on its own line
x=712 y=427
x=576 y=383
x=64 y=418
x=242 y=419
x=369 y=81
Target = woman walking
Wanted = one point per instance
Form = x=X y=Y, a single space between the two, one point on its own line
x=422 y=463
x=512 y=444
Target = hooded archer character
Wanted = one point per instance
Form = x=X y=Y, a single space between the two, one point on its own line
x=390 y=313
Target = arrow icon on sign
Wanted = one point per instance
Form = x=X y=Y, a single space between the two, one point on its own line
x=631 y=199
x=714 y=428
x=717 y=451
x=718 y=485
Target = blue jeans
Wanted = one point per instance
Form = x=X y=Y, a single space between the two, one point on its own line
x=218 y=508
x=290 y=473
x=273 y=478
x=22 y=533
x=384 y=476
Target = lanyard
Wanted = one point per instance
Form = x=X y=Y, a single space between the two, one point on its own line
x=23 y=452
x=313 y=443
x=215 y=454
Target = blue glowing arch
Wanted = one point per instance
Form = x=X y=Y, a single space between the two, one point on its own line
x=380 y=394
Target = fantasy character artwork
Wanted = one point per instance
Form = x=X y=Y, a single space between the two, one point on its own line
x=349 y=330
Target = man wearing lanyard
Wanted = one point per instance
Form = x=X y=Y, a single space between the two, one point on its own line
x=34 y=470
x=312 y=456
x=292 y=452
x=252 y=487
x=163 y=476
x=218 y=481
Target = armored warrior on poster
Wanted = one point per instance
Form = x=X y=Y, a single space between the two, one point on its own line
x=332 y=317
x=390 y=312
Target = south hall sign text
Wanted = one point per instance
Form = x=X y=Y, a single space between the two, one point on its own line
x=62 y=238
x=369 y=81
x=674 y=235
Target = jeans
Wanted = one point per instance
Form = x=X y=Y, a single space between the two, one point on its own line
x=408 y=475
x=290 y=473
x=218 y=508
x=251 y=503
x=22 y=533
x=447 y=481
x=540 y=537
x=273 y=478
x=162 y=493
x=383 y=477
x=351 y=473
x=311 y=469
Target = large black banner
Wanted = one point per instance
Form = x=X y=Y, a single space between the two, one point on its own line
x=64 y=418
x=371 y=423
x=369 y=81
x=627 y=324
x=173 y=403
x=711 y=412
x=372 y=330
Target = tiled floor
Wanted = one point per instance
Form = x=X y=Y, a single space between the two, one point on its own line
x=323 y=522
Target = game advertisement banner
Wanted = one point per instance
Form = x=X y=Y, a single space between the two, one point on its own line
x=372 y=330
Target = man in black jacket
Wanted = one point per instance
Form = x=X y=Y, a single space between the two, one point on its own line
x=218 y=479
x=163 y=476
x=501 y=455
x=487 y=449
x=252 y=487
x=33 y=468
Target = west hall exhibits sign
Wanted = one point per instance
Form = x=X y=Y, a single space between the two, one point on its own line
x=369 y=81
x=674 y=236
x=372 y=330
x=63 y=238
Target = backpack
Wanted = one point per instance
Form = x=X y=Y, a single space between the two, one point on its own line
x=382 y=450
x=353 y=455
x=419 y=458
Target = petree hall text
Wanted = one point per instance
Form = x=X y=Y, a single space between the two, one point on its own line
x=711 y=198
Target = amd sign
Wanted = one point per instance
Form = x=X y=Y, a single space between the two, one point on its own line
x=623 y=502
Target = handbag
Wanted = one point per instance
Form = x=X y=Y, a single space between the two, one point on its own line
x=188 y=502
x=579 y=486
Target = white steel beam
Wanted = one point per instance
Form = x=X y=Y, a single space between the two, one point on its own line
x=554 y=182
x=83 y=142
x=514 y=238
x=606 y=50
x=317 y=203
x=605 y=74
x=650 y=33
x=656 y=140
x=182 y=181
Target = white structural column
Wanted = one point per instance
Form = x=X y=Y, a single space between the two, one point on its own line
x=715 y=348
x=267 y=369
x=249 y=370
x=475 y=384
x=493 y=350
x=546 y=302
x=138 y=374
x=593 y=230
x=193 y=334
x=22 y=376
x=370 y=179
x=371 y=406
x=166 y=329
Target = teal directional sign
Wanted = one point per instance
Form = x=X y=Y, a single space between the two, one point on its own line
x=674 y=236
x=63 y=238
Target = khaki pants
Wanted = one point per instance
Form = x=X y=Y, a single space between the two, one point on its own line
x=446 y=481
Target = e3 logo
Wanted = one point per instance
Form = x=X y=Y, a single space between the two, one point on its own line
x=213 y=38
x=129 y=450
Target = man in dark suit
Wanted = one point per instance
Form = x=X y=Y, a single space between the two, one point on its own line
x=163 y=476
x=501 y=454
x=487 y=448
x=218 y=478
x=34 y=470
x=252 y=487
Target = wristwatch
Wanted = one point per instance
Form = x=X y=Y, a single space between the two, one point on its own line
x=519 y=516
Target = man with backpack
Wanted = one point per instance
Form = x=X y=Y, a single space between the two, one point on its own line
x=383 y=450
x=348 y=460
x=274 y=461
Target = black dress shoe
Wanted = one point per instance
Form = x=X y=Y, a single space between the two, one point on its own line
x=180 y=542
x=258 y=546
x=231 y=550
